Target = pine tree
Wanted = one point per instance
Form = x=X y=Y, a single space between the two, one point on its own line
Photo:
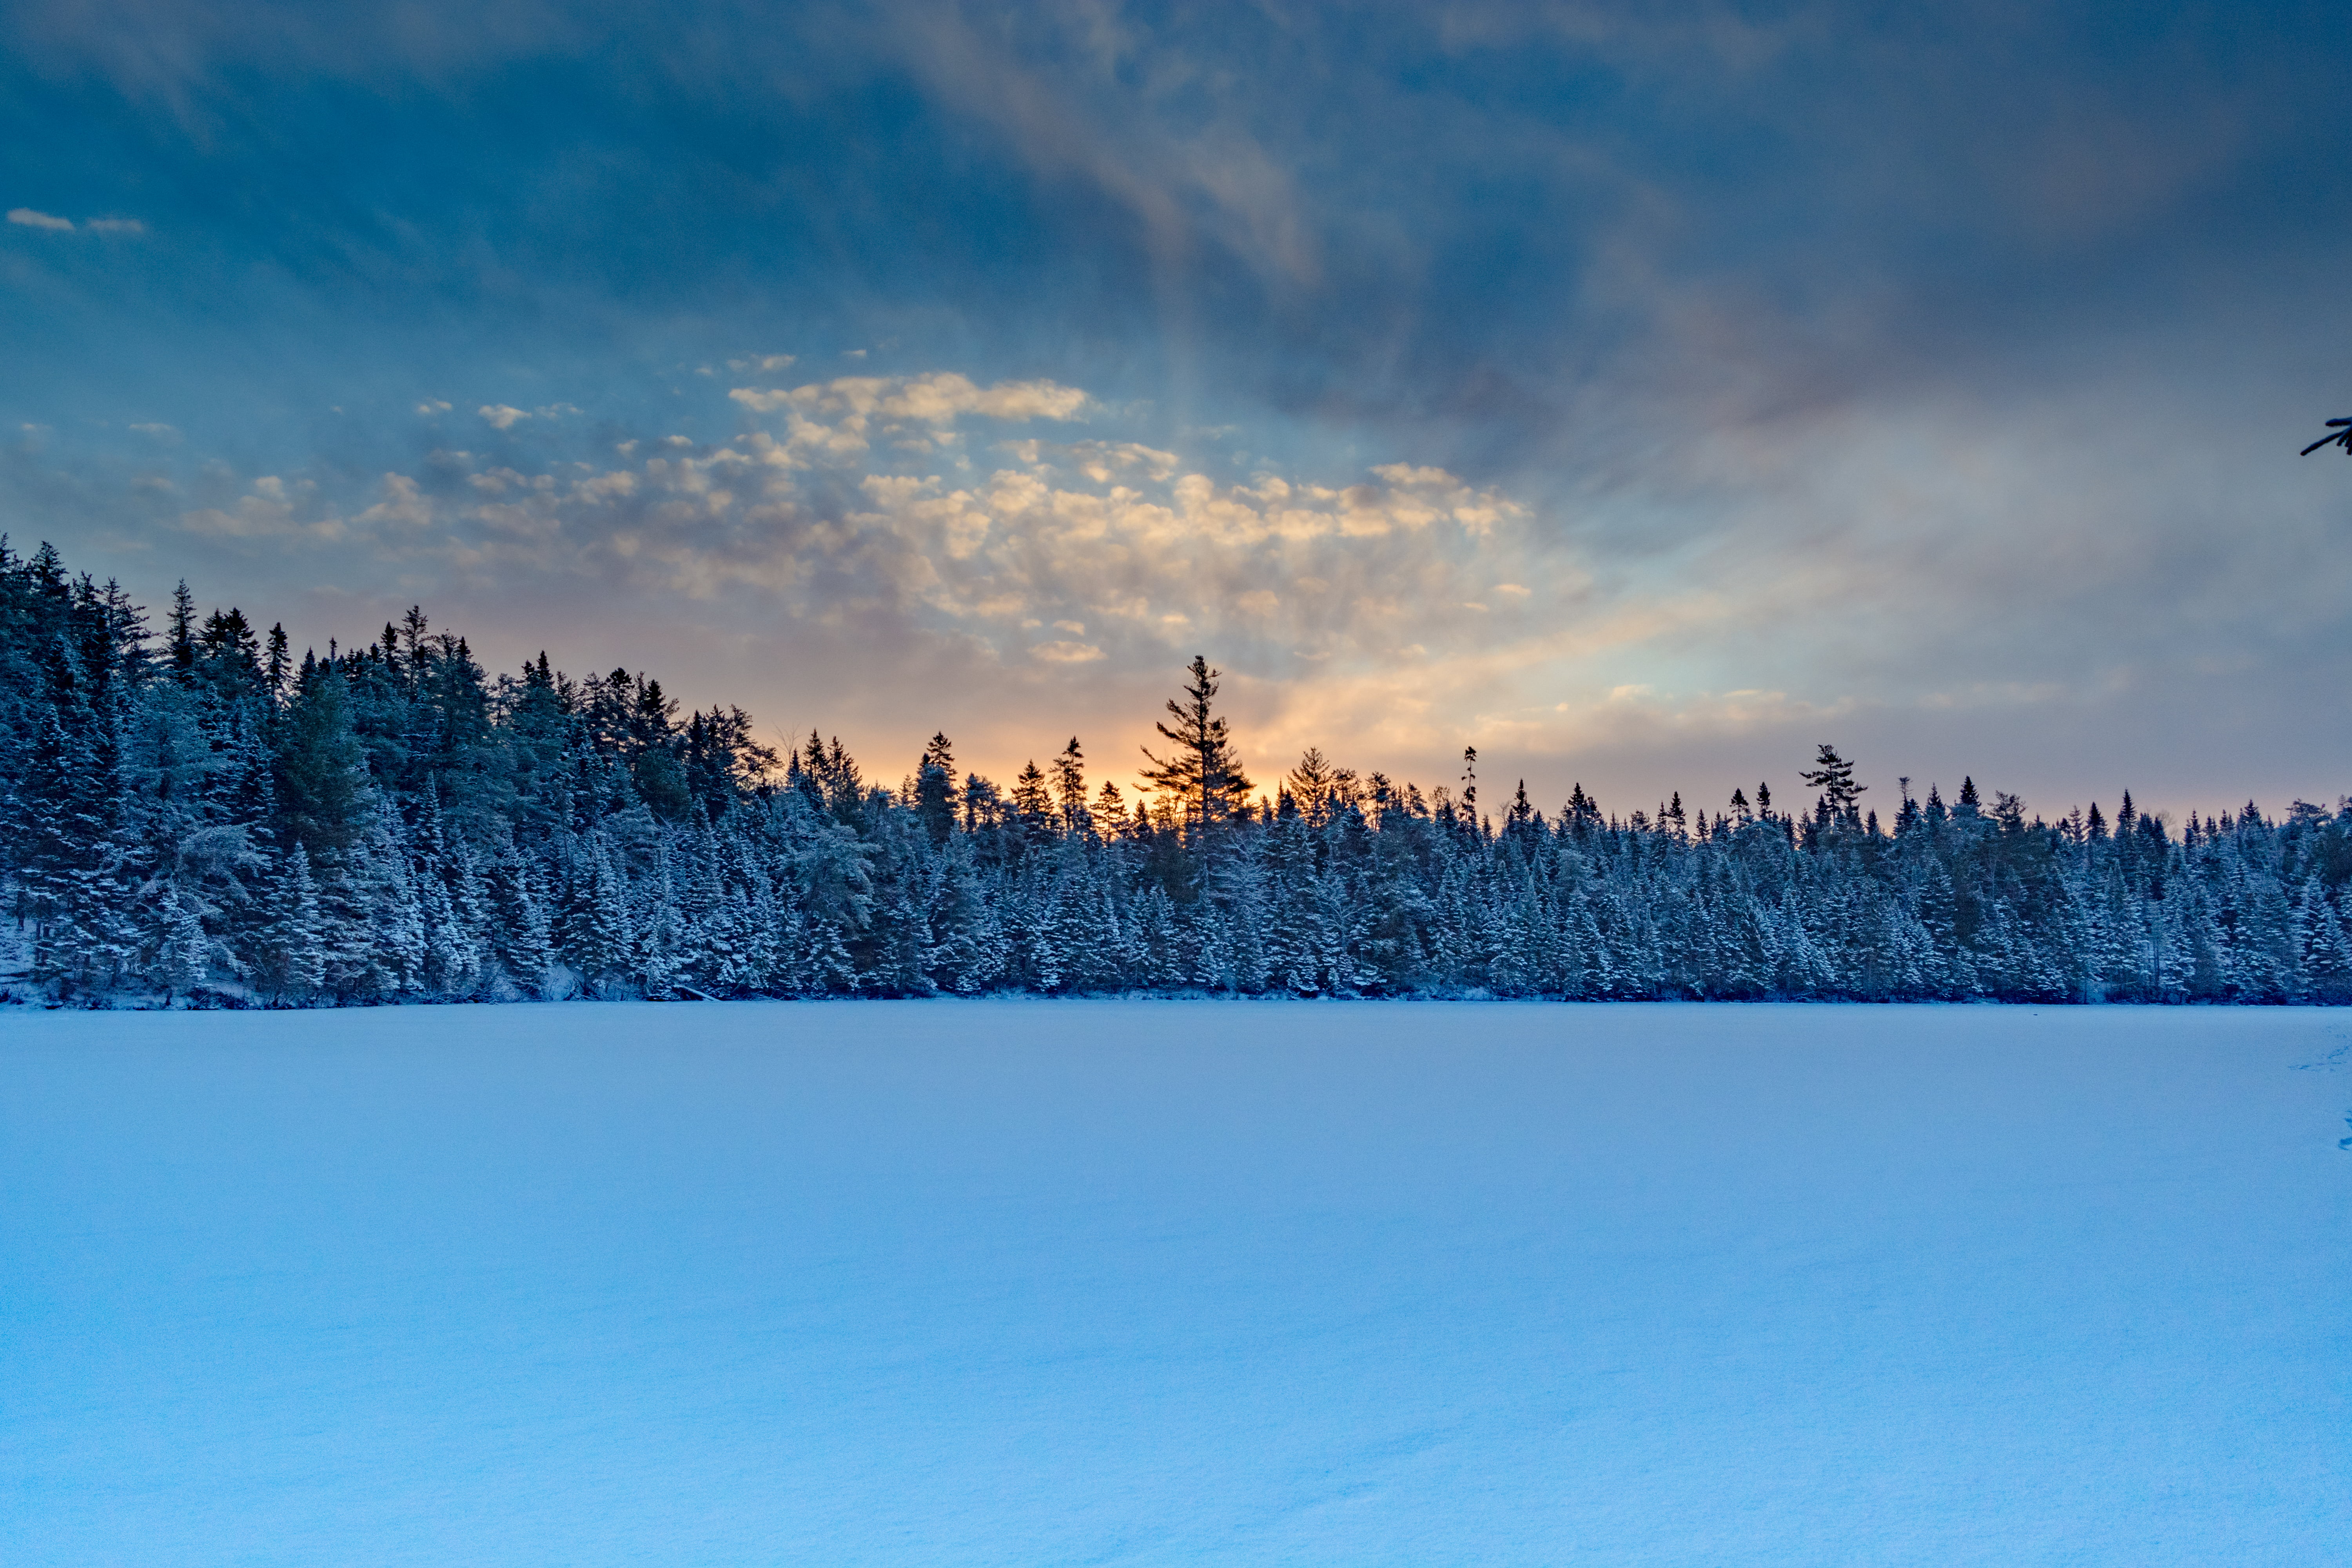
x=521 y=935
x=2326 y=953
x=1033 y=803
x=1313 y=784
x=1109 y=811
x=181 y=953
x=935 y=789
x=322 y=785
x=278 y=667
x=298 y=938
x=1833 y=776
x=1070 y=787
x=181 y=649
x=388 y=823
x=1202 y=769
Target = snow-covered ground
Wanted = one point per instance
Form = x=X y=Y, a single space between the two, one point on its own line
x=1160 y=1282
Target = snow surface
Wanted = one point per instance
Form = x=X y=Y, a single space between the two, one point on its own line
x=1157 y=1282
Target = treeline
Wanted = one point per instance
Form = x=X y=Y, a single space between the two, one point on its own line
x=193 y=815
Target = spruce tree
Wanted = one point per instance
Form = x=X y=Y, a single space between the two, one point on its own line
x=1070 y=787
x=322 y=785
x=935 y=788
x=298 y=938
x=1033 y=803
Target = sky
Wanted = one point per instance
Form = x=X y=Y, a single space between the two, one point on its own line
x=1640 y=393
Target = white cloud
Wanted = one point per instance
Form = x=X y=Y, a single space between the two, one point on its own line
x=1104 y=462
x=497 y=481
x=271 y=509
x=1114 y=545
x=403 y=503
x=29 y=217
x=433 y=405
x=161 y=432
x=1391 y=612
x=940 y=398
x=280 y=511
x=620 y=483
x=1403 y=474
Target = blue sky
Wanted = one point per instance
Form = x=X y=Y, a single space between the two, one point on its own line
x=1640 y=393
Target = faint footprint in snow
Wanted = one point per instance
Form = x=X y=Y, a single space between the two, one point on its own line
x=2328 y=1063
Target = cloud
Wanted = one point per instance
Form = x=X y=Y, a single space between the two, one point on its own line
x=401 y=504
x=940 y=399
x=1720 y=380
x=1104 y=462
x=1944 y=564
x=161 y=432
x=433 y=405
x=1114 y=543
x=272 y=511
x=29 y=217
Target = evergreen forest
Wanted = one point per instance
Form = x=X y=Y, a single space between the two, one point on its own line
x=195 y=817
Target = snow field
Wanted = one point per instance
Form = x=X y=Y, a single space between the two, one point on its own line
x=1170 y=1282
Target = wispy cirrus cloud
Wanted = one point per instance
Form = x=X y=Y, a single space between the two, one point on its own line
x=31 y=217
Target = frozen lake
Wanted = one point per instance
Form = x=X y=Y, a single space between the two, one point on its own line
x=1164 y=1282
